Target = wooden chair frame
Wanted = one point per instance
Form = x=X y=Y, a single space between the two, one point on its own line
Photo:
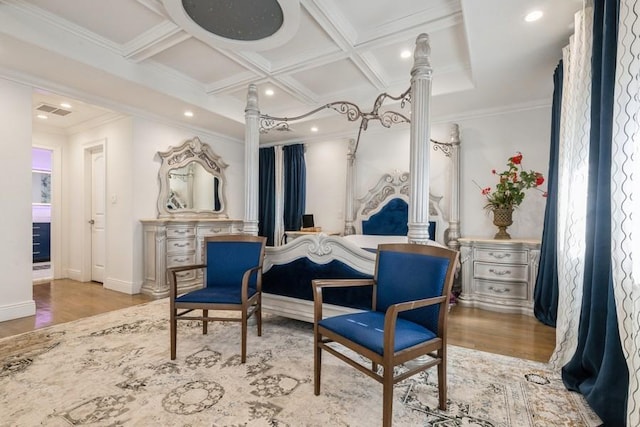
x=248 y=307
x=436 y=348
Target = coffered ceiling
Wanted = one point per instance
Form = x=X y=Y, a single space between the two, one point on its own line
x=148 y=57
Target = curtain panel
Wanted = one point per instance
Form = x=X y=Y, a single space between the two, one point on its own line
x=598 y=369
x=625 y=198
x=546 y=290
x=598 y=322
x=267 y=197
x=573 y=168
x=295 y=178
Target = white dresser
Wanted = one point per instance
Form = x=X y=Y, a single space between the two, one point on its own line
x=176 y=242
x=499 y=275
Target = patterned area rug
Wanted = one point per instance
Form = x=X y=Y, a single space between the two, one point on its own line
x=114 y=369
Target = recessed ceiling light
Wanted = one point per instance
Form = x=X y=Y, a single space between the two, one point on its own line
x=188 y=113
x=405 y=54
x=533 y=16
x=314 y=129
x=42 y=116
x=65 y=105
x=269 y=92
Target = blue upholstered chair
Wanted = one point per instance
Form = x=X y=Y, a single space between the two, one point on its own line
x=232 y=281
x=412 y=285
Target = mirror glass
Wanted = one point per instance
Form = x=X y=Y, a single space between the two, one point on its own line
x=192 y=182
x=193 y=187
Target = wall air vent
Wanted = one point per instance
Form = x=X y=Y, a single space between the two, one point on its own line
x=46 y=108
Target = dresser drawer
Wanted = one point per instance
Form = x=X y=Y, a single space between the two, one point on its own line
x=179 y=260
x=178 y=232
x=501 y=256
x=213 y=230
x=185 y=276
x=180 y=246
x=502 y=272
x=501 y=289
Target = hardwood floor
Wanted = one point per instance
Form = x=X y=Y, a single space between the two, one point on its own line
x=514 y=335
x=64 y=300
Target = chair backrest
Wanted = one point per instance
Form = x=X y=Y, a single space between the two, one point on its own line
x=229 y=256
x=407 y=272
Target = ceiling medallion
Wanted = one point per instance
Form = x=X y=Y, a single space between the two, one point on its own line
x=244 y=20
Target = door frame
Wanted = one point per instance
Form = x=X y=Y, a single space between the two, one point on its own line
x=88 y=149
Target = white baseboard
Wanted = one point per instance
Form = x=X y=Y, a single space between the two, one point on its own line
x=74 y=274
x=15 y=311
x=121 y=286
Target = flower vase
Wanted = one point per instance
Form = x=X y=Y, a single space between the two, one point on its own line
x=502 y=218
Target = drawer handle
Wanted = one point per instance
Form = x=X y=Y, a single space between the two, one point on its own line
x=215 y=230
x=181 y=259
x=181 y=245
x=499 y=291
x=499 y=255
x=499 y=272
x=180 y=231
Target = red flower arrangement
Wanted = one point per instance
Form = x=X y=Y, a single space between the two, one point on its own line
x=509 y=191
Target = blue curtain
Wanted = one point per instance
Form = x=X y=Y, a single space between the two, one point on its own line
x=295 y=178
x=546 y=290
x=267 y=191
x=598 y=369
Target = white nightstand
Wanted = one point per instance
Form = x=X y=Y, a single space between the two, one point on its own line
x=499 y=275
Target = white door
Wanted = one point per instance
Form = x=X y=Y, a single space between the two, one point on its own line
x=97 y=215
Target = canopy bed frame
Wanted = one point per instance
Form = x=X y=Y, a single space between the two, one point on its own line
x=288 y=269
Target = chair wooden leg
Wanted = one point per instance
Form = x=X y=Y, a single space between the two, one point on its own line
x=205 y=323
x=173 y=326
x=243 y=353
x=442 y=379
x=387 y=396
x=258 y=313
x=317 y=363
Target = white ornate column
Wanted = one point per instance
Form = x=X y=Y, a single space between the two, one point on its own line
x=278 y=231
x=421 y=75
x=454 y=214
x=351 y=185
x=251 y=161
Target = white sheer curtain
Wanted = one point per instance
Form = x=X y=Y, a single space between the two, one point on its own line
x=625 y=198
x=573 y=169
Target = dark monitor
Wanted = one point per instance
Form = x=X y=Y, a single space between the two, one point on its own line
x=307 y=221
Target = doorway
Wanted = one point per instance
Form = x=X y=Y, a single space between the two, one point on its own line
x=41 y=202
x=95 y=213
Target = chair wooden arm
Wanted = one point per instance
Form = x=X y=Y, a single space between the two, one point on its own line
x=173 y=283
x=391 y=315
x=410 y=305
x=318 y=284
x=245 y=281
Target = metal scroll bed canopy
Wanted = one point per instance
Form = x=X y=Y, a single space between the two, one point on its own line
x=418 y=94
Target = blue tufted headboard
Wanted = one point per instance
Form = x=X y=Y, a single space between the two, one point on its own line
x=392 y=220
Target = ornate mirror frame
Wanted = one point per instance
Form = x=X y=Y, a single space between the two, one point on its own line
x=191 y=151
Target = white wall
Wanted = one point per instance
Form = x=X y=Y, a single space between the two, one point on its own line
x=116 y=139
x=486 y=143
x=16 y=292
x=326 y=164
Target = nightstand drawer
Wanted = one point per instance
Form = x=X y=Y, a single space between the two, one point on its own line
x=501 y=289
x=502 y=272
x=501 y=256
